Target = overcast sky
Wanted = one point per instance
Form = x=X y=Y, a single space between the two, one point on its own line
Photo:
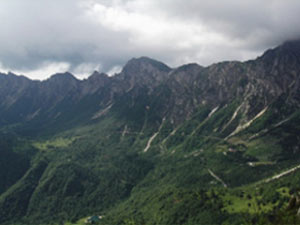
x=41 y=37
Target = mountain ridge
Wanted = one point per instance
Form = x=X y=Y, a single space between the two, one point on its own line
x=135 y=73
x=152 y=144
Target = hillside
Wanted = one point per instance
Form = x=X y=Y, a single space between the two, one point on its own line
x=154 y=144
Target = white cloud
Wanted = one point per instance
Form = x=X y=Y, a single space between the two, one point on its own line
x=114 y=70
x=44 y=37
x=43 y=72
x=85 y=69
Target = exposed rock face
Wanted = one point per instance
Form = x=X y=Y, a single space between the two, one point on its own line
x=143 y=72
x=90 y=144
x=255 y=84
x=95 y=83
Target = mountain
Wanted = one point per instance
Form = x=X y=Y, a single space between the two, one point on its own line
x=154 y=144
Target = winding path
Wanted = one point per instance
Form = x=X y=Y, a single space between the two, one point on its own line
x=217 y=178
x=282 y=174
x=153 y=136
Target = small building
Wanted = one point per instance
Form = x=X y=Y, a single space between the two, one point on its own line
x=93 y=219
x=232 y=150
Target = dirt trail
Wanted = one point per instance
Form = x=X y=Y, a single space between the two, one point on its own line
x=282 y=174
x=153 y=136
x=217 y=178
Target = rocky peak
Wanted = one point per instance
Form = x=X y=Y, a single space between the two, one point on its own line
x=98 y=77
x=184 y=75
x=143 y=71
x=288 y=52
x=11 y=81
x=62 y=77
x=188 y=67
x=60 y=84
x=62 y=80
x=95 y=82
x=12 y=76
x=278 y=69
x=144 y=64
x=292 y=46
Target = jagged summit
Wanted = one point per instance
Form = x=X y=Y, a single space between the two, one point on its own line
x=295 y=44
x=265 y=78
x=13 y=76
x=286 y=51
x=97 y=77
x=62 y=77
x=189 y=66
x=144 y=63
x=95 y=82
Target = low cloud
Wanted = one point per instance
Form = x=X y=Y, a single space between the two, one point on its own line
x=40 y=38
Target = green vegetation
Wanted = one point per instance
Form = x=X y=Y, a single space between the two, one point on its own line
x=53 y=144
x=101 y=170
x=222 y=148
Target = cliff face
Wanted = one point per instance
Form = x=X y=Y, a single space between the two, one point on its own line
x=256 y=84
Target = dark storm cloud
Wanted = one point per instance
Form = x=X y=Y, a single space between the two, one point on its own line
x=41 y=37
x=256 y=21
x=39 y=32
